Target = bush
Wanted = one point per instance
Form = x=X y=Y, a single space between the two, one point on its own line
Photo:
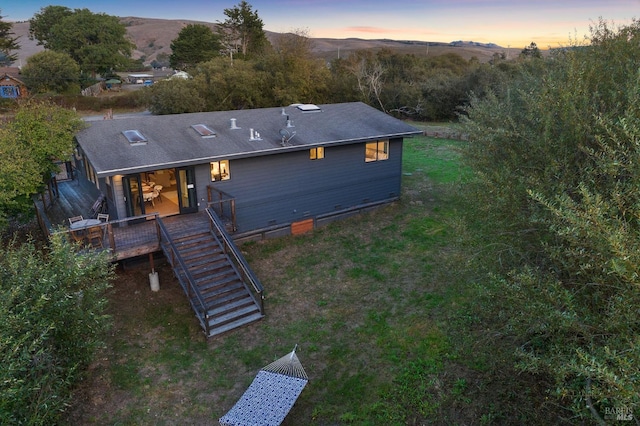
x=556 y=159
x=52 y=309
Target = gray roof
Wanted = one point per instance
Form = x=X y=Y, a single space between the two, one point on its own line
x=172 y=142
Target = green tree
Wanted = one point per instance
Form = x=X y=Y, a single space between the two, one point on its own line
x=38 y=134
x=53 y=309
x=96 y=41
x=7 y=43
x=174 y=96
x=242 y=32
x=531 y=51
x=195 y=43
x=227 y=86
x=50 y=71
x=43 y=22
x=555 y=154
x=296 y=74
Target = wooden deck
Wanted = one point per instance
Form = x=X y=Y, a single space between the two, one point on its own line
x=125 y=238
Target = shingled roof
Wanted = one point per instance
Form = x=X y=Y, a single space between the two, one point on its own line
x=171 y=140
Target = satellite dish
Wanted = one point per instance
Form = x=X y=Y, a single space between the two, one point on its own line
x=286 y=136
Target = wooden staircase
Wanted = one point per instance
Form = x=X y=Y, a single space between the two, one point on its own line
x=217 y=292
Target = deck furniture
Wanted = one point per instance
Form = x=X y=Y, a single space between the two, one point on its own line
x=75 y=219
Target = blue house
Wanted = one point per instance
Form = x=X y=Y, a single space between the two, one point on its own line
x=270 y=171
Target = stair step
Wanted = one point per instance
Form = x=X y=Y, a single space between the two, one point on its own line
x=226 y=297
x=216 y=331
x=237 y=307
x=233 y=315
x=207 y=283
x=216 y=291
x=204 y=259
x=213 y=273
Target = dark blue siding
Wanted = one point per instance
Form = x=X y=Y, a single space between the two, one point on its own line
x=284 y=188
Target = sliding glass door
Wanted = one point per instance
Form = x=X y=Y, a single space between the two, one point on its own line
x=187 y=195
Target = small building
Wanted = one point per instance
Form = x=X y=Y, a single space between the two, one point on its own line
x=286 y=170
x=11 y=87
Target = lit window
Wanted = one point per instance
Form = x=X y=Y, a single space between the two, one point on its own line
x=316 y=153
x=376 y=151
x=204 y=130
x=219 y=170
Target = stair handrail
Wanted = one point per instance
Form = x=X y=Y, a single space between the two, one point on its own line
x=237 y=256
x=191 y=281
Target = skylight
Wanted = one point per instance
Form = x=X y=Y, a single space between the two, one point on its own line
x=308 y=107
x=204 y=130
x=134 y=136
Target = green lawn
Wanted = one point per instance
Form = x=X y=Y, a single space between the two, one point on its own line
x=381 y=306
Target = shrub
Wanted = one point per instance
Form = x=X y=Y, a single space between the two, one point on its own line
x=52 y=308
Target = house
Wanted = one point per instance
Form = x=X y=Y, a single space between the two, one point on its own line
x=11 y=87
x=285 y=170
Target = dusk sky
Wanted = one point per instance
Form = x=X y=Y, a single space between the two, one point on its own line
x=514 y=23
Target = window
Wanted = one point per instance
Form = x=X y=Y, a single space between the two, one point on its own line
x=316 y=153
x=376 y=151
x=9 y=92
x=134 y=136
x=219 y=170
x=204 y=130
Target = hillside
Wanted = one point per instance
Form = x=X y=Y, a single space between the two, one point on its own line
x=153 y=36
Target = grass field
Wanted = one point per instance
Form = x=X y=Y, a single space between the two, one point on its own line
x=382 y=307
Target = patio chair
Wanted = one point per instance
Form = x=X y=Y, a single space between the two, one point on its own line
x=77 y=236
x=94 y=236
x=103 y=217
x=75 y=219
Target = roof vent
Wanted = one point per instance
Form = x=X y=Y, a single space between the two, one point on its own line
x=233 y=125
x=254 y=136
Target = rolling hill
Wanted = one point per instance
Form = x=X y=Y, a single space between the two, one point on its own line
x=153 y=36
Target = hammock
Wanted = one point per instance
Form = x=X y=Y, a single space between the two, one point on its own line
x=270 y=396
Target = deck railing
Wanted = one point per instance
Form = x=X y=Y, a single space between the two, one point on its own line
x=237 y=259
x=223 y=204
x=125 y=238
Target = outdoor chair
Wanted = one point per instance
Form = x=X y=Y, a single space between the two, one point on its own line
x=94 y=236
x=103 y=217
x=75 y=219
x=77 y=236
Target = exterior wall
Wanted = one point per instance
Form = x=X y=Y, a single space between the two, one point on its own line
x=281 y=189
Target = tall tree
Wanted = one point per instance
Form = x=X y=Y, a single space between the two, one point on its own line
x=7 y=43
x=29 y=143
x=96 y=41
x=195 y=43
x=50 y=71
x=296 y=74
x=242 y=32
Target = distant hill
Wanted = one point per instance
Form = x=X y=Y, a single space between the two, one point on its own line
x=153 y=36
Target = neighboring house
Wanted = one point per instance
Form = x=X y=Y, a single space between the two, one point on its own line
x=283 y=167
x=11 y=87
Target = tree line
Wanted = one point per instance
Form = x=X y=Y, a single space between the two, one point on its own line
x=234 y=66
